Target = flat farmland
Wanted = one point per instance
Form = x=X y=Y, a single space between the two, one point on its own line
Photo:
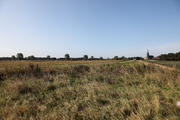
x=15 y=64
x=175 y=64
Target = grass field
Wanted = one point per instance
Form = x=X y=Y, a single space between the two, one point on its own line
x=13 y=64
x=96 y=91
x=168 y=63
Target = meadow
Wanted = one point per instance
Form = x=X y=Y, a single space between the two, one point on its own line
x=127 y=90
x=175 y=64
x=17 y=64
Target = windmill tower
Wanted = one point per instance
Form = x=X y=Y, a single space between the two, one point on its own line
x=147 y=55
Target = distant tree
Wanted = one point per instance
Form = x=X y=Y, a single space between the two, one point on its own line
x=142 y=58
x=115 y=57
x=92 y=57
x=19 y=56
x=137 y=58
x=32 y=57
x=177 y=58
x=48 y=57
x=67 y=57
x=85 y=57
x=107 y=58
x=122 y=57
x=160 y=57
x=101 y=58
x=13 y=57
x=29 y=57
x=53 y=58
x=169 y=56
x=164 y=56
x=73 y=59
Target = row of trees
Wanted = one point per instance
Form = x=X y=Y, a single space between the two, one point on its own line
x=170 y=56
x=118 y=58
x=20 y=56
x=129 y=58
x=67 y=57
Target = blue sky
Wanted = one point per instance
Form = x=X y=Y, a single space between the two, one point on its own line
x=93 y=27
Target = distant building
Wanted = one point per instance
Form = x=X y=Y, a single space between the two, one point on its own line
x=148 y=57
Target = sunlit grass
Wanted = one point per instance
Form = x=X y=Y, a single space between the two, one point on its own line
x=168 y=63
x=97 y=91
x=11 y=64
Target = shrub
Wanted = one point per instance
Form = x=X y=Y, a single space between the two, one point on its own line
x=85 y=57
x=67 y=57
x=19 y=56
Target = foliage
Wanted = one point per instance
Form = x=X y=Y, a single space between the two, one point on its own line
x=13 y=57
x=29 y=57
x=170 y=56
x=101 y=58
x=137 y=58
x=115 y=57
x=48 y=57
x=32 y=57
x=92 y=57
x=73 y=59
x=67 y=57
x=19 y=56
x=85 y=57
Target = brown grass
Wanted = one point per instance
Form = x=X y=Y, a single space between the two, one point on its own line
x=12 y=64
x=97 y=91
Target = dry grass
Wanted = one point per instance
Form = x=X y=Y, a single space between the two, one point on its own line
x=173 y=64
x=98 y=91
x=12 y=64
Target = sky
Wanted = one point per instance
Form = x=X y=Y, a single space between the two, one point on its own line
x=99 y=28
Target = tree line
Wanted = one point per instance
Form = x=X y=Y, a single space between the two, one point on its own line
x=20 y=56
x=169 y=56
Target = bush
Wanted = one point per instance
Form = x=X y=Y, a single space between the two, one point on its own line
x=19 y=56
x=101 y=58
x=85 y=57
x=67 y=57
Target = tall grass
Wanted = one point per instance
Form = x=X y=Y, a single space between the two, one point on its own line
x=16 y=64
x=174 y=64
x=98 y=91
